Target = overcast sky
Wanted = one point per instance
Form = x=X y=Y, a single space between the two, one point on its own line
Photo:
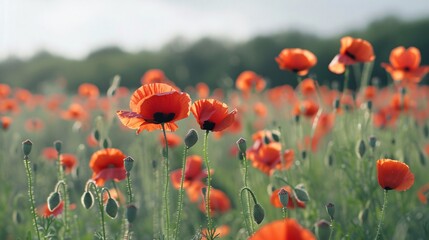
x=74 y=28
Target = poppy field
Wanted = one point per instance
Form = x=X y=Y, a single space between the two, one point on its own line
x=161 y=161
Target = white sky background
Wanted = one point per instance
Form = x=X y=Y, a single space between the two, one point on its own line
x=74 y=28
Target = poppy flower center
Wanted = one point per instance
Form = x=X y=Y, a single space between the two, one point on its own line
x=350 y=55
x=388 y=188
x=208 y=125
x=407 y=69
x=160 y=117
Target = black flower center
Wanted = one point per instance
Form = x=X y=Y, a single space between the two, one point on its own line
x=388 y=188
x=208 y=125
x=160 y=117
x=350 y=55
x=407 y=69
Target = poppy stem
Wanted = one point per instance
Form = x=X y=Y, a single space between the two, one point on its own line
x=246 y=209
x=382 y=216
x=61 y=179
x=207 y=162
x=166 y=181
x=180 y=202
x=31 y=194
x=99 y=199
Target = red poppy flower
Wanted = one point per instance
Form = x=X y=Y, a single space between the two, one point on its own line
x=194 y=191
x=308 y=87
x=22 y=95
x=283 y=229
x=5 y=122
x=203 y=90
x=50 y=153
x=91 y=141
x=4 y=90
x=75 y=113
x=352 y=51
x=69 y=162
x=107 y=164
x=296 y=60
x=212 y=115
x=405 y=65
x=44 y=211
x=219 y=202
x=422 y=193
x=193 y=172
x=293 y=201
x=156 y=76
x=393 y=174
x=260 y=109
x=307 y=108
x=88 y=90
x=248 y=80
x=155 y=104
x=9 y=105
x=34 y=125
x=172 y=139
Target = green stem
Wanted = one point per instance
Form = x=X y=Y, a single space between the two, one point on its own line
x=100 y=206
x=284 y=212
x=180 y=202
x=382 y=216
x=331 y=229
x=61 y=178
x=166 y=170
x=207 y=162
x=31 y=195
x=246 y=209
x=130 y=199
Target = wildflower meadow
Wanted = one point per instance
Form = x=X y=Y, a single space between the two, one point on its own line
x=162 y=161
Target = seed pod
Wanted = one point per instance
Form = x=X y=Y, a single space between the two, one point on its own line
x=26 y=147
x=360 y=148
x=128 y=163
x=283 y=197
x=111 y=208
x=323 y=230
x=87 y=199
x=242 y=146
x=58 y=145
x=53 y=201
x=330 y=209
x=131 y=213
x=258 y=213
x=301 y=193
x=275 y=135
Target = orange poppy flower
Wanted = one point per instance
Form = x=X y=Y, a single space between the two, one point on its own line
x=155 y=104
x=5 y=122
x=405 y=65
x=107 y=164
x=221 y=231
x=248 y=80
x=173 y=140
x=307 y=108
x=370 y=92
x=44 y=211
x=293 y=201
x=203 y=90
x=91 y=141
x=266 y=157
x=88 y=90
x=156 y=76
x=283 y=229
x=34 y=125
x=296 y=60
x=75 y=112
x=22 y=95
x=194 y=191
x=352 y=51
x=385 y=117
x=308 y=87
x=401 y=103
x=69 y=162
x=219 y=202
x=393 y=174
x=212 y=115
x=50 y=153
x=4 y=90
x=193 y=172
x=422 y=193
x=260 y=109
x=9 y=105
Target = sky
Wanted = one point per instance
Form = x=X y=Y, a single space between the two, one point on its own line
x=74 y=28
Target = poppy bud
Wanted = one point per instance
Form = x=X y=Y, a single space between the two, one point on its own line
x=372 y=141
x=258 y=213
x=426 y=131
x=58 y=145
x=26 y=147
x=330 y=209
x=53 y=201
x=204 y=190
x=301 y=193
x=128 y=163
x=323 y=230
x=154 y=164
x=330 y=160
x=275 y=135
x=297 y=119
x=336 y=103
x=242 y=146
x=111 y=208
x=87 y=199
x=363 y=216
x=369 y=105
x=16 y=217
x=106 y=143
x=360 y=148
x=96 y=134
x=403 y=91
x=304 y=154
x=422 y=158
x=266 y=140
x=284 y=197
x=131 y=213
x=191 y=138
